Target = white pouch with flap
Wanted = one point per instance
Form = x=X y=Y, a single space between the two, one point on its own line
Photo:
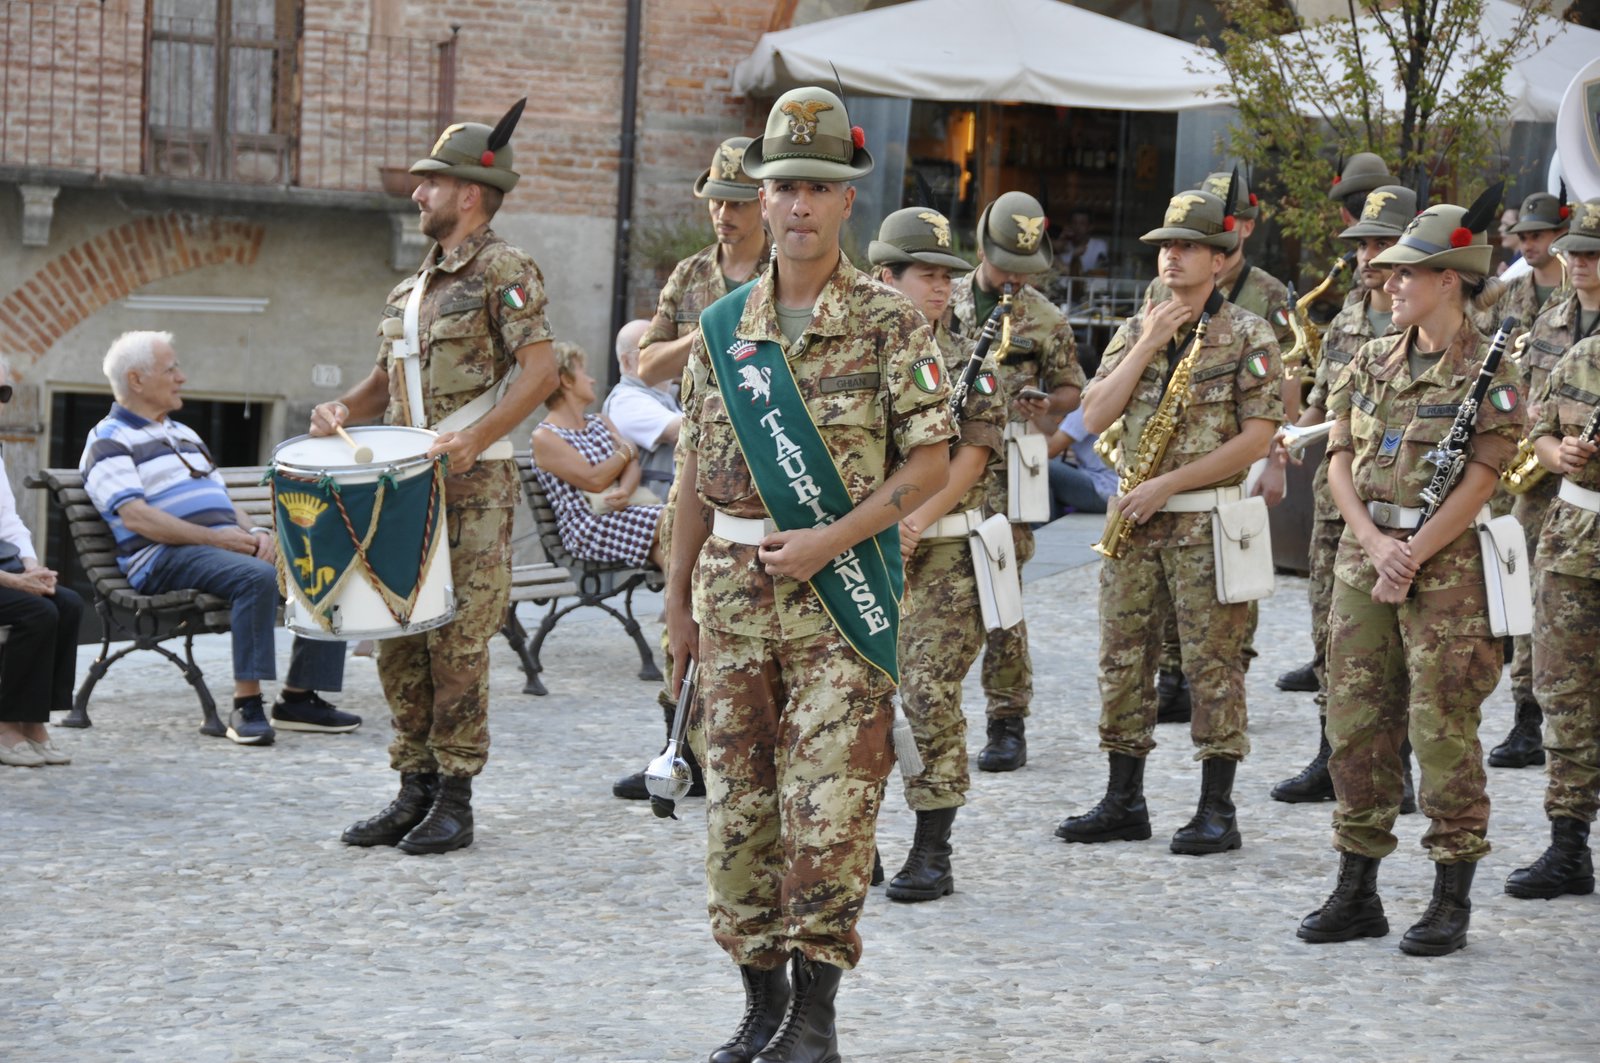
x=994 y=562
x=1507 y=576
x=1241 y=543
x=1027 y=478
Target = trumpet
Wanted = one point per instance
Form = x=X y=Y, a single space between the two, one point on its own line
x=668 y=778
x=1297 y=439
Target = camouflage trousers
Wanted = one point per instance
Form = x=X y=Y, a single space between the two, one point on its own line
x=1172 y=655
x=1137 y=594
x=1529 y=509
x=1324 y=548
x=1007 y=664
x=797 y=736
x=437 y=682
x=941 y=633
x=1430 y=660
x=1568 y=608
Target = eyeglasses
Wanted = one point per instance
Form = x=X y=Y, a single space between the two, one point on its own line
x=5 y=393
x=194 y=473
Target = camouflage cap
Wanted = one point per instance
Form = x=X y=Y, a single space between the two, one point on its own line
x=1011 y=232
x=1389 y=209
x=473 y=151
x=1442 y=238
x=1199 y=217
x=725 y=178
x=809 y=138
x=1585 y=232
x=1362 y=173
x=1539 y=212
x=1248 y=208
x=915 y=234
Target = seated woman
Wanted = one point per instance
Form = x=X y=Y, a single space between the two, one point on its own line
x=575 y=452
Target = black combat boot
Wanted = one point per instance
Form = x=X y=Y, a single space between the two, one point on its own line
x=1443 y=926
x=766 y=997
x=1408 y=784
x=926 y=875
x=807 y=1034
x=1302 y=679
x=410 y=805
x=632 y=787
x=1212 y=830
x=1353 y=909
x=1173 y=704
x=1524 y=746
x=1121 y=814
x=1008 y=744
x=1565 y=867
x=877 y=868
x=448 y=824
x=1313 y=783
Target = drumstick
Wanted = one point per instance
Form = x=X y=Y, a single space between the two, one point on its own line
x=362 y=454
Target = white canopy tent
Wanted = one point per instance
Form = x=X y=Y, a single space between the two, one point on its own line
x=1021 y=51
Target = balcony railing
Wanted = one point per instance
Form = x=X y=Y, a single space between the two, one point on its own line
x=115 y=93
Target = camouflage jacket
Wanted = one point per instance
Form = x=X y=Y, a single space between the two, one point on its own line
x=1570 y=540
x=1347 y=333
x=856 y=366
x=1043 y=352
x=1520 y=300
x=1262 y=294
x=1389 y=422
x=1236 y=377
x=695 y=283
x=484 y=301
x=1553 y=332
x=983 y=415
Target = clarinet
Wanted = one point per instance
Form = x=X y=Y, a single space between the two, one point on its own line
x=974 y=366
x=1449 y=458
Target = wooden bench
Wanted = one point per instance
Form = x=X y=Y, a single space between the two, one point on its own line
x=149 y=620
x=595 y=583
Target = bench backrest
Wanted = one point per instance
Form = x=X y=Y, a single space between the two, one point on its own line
x=544 y=516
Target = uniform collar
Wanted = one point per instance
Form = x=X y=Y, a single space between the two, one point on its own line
x=464 y=252
x=1459 y=361
x=828 y=318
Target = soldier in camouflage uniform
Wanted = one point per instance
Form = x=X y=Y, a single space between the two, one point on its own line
x=1556 y=328
x=942 y=628
x=1542 y=220
x=796 y=721
x=1233 y=410
x=1409 y=639
x=740 y=253
x=1387 y=211
x=1043 y=355
x=481 y=313
x=1567 y=585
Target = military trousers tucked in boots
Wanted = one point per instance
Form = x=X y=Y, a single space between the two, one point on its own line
x=941 y=635
x=1568 y=608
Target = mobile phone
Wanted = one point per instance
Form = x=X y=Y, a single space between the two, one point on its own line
x=1032 y=393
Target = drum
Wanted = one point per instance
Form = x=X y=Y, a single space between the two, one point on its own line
x=362 y=548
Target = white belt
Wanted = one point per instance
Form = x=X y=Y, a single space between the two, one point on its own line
x=1581 y=497
x=746 y=531
x=1202 y=501
x=1398 y=518
x=954 y=525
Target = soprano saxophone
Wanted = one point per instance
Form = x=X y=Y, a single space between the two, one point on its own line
x=1152 y=444
x=1525 y=470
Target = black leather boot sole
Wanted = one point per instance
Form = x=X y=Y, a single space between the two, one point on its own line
x=1577 y=887
x=1130 y=832
x=1301 y=680
x=1367 y=926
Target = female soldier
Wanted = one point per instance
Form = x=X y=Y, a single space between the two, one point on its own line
x=1409 y=626
x=1567 y=589
x=941 y=626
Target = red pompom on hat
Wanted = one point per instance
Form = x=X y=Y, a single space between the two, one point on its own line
x=1461 y=236
x=1565 y=212
x=1253 y=200
x=487 y=158
x=1337 y=178
x=1227 y=224
x=858 y=136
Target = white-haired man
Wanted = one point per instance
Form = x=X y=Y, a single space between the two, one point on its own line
x=155 y=483
x=648 y=417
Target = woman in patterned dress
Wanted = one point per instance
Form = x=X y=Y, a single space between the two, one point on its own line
x=574 y=452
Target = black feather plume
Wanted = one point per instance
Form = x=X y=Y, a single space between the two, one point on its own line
x=1233 y=192
x=837 y=82
x=1561 y=198
x=1484 y=208
x=500 y=136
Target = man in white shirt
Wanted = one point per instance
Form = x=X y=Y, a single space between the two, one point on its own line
x=647 y=417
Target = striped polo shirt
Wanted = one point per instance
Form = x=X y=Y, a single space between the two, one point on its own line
x=128 y=457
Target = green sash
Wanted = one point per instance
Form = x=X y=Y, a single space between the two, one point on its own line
x=799 y=483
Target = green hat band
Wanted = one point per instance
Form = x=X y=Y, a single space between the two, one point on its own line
x=822 y=146
x=1419 y=244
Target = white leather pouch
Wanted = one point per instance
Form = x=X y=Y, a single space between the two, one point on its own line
x=994 y=562
x=1507 y=576
x=1028 y=479
x=1241 y=544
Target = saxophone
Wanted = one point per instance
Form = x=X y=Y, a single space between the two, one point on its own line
x=1152 y=444
x=1004 y=347
x=1307 y=349
x=1524 y=471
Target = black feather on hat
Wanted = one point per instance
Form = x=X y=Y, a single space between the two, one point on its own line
x=500 y=135
x=1565 y=211
x=1229 y=198
x=1483 y=209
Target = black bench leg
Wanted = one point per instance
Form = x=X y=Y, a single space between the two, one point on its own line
x=647 y=661
x=517 y=635
x=79 y=716
x=209 y=724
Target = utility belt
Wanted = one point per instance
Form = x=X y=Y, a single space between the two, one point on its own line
x=1203 y=501
x=1581 y=497
x=746 y=531
x=1393 y=517
x=954 y=525
x=1507 y=566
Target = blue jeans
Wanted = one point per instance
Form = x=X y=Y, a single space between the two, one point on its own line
x=1072 y=490
x=251 y=587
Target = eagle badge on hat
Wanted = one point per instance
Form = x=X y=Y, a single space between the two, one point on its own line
x=940 y=225
x=803 y=118
x=1178 y=209
x=1375 y=202
x=729 y=159
x=1591 y=216
x=1029 y=231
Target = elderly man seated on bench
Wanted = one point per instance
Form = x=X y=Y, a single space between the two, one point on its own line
x=155 y=483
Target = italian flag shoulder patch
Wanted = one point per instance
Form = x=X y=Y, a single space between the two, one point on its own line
x=926 y=373
x=1257 y=364
x=514 y=296
x=1503 y=398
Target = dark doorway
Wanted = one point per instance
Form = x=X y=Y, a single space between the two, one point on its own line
x=232 y=430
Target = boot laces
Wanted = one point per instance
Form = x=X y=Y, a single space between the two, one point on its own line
x=1345 y=886
x=795 y=1021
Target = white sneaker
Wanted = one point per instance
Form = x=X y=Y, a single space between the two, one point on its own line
x=50 y=752
x=21 y=755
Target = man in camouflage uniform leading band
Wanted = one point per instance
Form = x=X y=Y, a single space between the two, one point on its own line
x=480 y=315
x=1014 y=247
x=1233 y=408
x=796 y=722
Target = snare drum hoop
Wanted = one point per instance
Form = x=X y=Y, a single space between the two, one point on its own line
x=353 y=470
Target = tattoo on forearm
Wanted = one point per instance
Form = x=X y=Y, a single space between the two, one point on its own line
x=898 y=495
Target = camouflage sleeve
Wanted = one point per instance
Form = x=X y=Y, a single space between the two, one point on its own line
x=1122 y=341
x=984 y=417
x=1549 y=422
x=1336 y=395
x=1339 y=402
x=918 y=416
x=1501 y=421
x=664 y=326
x=692 y=394
x=1059 y=367
x=1259 y=380
x=1278 y=317
x=517 y=300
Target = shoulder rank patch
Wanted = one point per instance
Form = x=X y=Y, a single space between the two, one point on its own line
x=1503 y=398
x=1391 y=441
x=1280 y=318
x=1257 y=363
x=985 y=384
x=514 y=296
x=926 y=373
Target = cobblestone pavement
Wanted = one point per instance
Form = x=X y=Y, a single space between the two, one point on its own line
x=176 y=897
